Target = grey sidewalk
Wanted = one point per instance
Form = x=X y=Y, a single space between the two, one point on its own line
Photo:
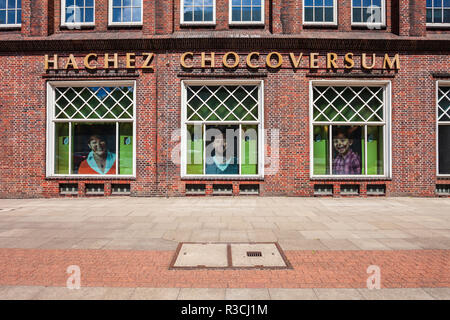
x=56 y=293
x=160 y=223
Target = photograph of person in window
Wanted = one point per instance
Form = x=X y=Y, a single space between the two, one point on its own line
x=99 y=160
x=347 y=159
x=221 y=150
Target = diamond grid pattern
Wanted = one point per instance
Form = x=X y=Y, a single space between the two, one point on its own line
x=94 y=103
x=444 y=104
x=222 y=103
x=348 y=104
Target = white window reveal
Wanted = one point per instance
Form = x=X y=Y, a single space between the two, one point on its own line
x=222 y=129
x=350 y=129
x=91 y=129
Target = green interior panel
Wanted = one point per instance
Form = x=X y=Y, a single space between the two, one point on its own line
x=375 y=150
x=321 y=149
x=194 y=150
x=62 y=148
x=249 y=156
x=126 y=148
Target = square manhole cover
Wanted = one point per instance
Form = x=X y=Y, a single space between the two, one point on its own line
x=202 y=255
x=229 y=255
x=256 y=255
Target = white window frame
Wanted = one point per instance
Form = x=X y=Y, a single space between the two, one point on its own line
x=440 y=83
x=243 y=23
x=12 y=25
x=387 y=132
x=324 y=23
x=260 y=124
x=374 y=25
x=437 y=24
x=131 y=23
x=50 y=152
x=194 y=23
x=74 y=24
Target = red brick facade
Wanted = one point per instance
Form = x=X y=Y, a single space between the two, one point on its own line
x=424 y=59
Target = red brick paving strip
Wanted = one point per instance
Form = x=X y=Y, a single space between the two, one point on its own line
x=312 y=269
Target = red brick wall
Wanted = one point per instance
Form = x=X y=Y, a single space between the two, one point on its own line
x=23 y=128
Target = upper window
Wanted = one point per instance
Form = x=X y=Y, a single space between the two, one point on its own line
x=78 y=12
x=246 y=11
x=368 y=12
x=319 y=12
x=443 y=113
x=222 y=128
x=10 y=13
x=198 y=11
x=91 y=129
x=438 y=11
x=125 y=12
x=349 y=129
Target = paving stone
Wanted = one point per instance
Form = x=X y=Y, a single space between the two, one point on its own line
x=292 y=294
x=155 y=294
x=201 y=294
x=396 y=294
x=338 y=294
x=247 y=294
x=438 y=293
x=19 y=292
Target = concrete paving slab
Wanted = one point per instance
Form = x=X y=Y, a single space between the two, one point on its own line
x=19 y=293
x=247 y=294
x=438 y=293
x=396 y=294
x=155 y=294
x=292 y=294
x=201 y=294
x=338 y=294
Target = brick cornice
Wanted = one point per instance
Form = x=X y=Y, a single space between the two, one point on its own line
x=137 y=42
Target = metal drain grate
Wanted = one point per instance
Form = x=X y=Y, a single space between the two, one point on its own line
x=254 y=254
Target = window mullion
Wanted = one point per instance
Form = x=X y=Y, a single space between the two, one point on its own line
x=70 y=148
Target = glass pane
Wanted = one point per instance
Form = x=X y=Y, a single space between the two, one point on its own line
x=194 y=157
x=94 y=148
x=444 y=149
x=236 y=14
x=309 y=14
x=61 y=148
x=375 y=151
x=348 y=146
x=357 y=15
x=321 y=150
x=222 y=149
x=246 y=14
x=256 y=16
x=126 y=148
x=249 y=150
x=208 y=14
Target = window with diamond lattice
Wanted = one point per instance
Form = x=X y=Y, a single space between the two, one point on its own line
x=443 y=113
x=349 y=130
x=222 y=129
x=93 y=130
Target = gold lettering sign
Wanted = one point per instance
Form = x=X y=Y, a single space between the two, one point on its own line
x=230 y=60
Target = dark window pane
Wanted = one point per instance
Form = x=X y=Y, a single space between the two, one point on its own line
x=89 y=15
x=309 y=14
x=2 y=16
x=318 y=14
x=236 y=14
x=447 y=16
x=222 y=144
x=2 y=4
x=437 y=16
x=256 y=13
x=208 y=14
x=348 y=145
x=136 y=14
x=357 y=15
x=198 y=14
x=188 y=14
x=429 y=16
x=329 y=17
x=117 y=15
x=444 y=149
x=246 y=14
x=94 y=148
